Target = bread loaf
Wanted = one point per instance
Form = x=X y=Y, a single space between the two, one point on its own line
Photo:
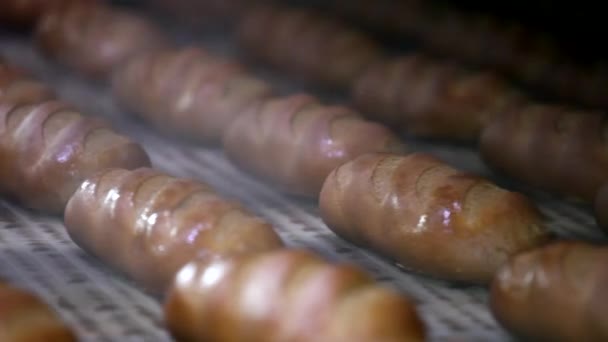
x=147 y=224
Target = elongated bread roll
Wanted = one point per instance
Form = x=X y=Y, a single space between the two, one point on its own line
x=48 y=148
x=308 y=44
x=24 y=317
x=95 y=39
x=428 y=216
x=148 y=225
x=557 y=293
x=288 y=295
x=555 y=148
x=432 y=99
x=295 y=142
x=188 y=92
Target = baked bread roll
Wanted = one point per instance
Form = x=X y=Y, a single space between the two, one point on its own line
x=188 y=92
x=556 y=293
x=552 y=147
x=148 y=225
x=295 y=142
x=287 y=295
x=307 y=44
x=428 y=216
x=431 y=99
x=94 y=39
x=48 y=148
x=24 y=317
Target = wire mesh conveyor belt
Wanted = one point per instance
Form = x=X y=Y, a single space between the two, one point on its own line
x=101 y=306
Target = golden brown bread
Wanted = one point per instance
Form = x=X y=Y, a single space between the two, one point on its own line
x=148 y=225
x=433 y=99
x=552 y=147
x=286 y=295
x=24 y=317
x=428 y=216
x=307 y=44
x=95 y=39
x=47 y=148
x=188 y=92
x=557 y=293
x=295 y=142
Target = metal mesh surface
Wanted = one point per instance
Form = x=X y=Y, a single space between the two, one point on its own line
x=35 y=251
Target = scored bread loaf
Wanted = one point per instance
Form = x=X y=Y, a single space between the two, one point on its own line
x=555 y=293
x=428 y=98
x=147 y=224
x=47 y=147
x=428 y=216
x=286 y=295
x=295 y=142
x=189 y=92
x=94 y=39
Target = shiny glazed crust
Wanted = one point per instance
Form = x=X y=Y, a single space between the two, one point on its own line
x=288 y=295
x=148 y=225
x=188 y=92
x=428 y=216
x=295 y=142
x=48 y=148
x=557 y=293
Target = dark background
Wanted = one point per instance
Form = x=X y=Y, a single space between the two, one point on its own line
x=578 y=25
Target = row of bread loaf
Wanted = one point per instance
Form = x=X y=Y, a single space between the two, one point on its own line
x=150 y=226
x=529 y=56
x=554 y=147
x=295 y=143
x=521 y=294
x=192 y=68
x=432 y=183
x=525 y=54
